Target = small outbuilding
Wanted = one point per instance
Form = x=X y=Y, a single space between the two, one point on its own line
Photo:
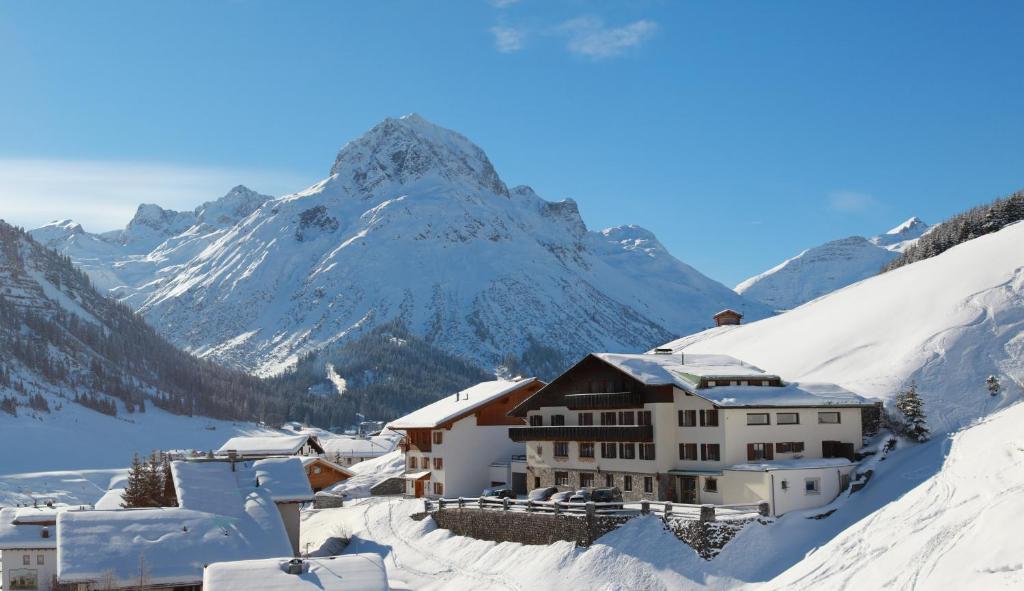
x=349 y=572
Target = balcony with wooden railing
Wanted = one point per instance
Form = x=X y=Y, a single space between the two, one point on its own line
x=604 y=400
x=638 y=433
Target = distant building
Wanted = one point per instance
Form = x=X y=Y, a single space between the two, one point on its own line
x=28 y=548
x=450 y=445
x=349 y=572
x=267 y=446
x=691 y=429
x=323 y=473
x=727 y=317
x=349 y=451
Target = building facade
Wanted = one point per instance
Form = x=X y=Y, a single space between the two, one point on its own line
x=450 y=445
x=699 y=429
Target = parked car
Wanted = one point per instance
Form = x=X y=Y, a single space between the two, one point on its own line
x=501 y=492
x=562 y=496
x=610 y=494
x=580 y=496
x=541 y=494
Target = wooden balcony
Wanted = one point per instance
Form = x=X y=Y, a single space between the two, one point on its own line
x=604 y=400
x=640 y=433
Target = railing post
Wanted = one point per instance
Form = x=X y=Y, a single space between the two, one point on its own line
x=707 y=513
x=645 y=507
x=504 y=503
x=668 y=509
x=426 y=505
x=591 y=510
x=764 y=509
x=557 y=508
x=529 y=505
x=461 y=502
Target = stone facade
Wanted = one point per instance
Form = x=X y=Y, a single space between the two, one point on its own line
x=662 y=488
x=391 y=486
x=706 y=538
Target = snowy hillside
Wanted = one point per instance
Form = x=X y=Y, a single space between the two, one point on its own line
x=413 y=224
x=826 y=268
x=960 y=529
x=947 y=323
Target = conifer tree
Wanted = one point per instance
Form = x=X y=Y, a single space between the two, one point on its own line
x=993 y=385
x=910 y=405
x=134 y=493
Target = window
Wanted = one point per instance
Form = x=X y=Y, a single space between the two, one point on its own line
x=536 y=482
x=627 y=451
x=609 y=480
x=828 y=417
x=647 y=451
x=586 y=418
x=586 y=450
x=438 y=464
x=687 y=451
x=709 y=418
x=561 y=449
x=317 y=470
x=608 y=418
x=425 y=463
x=627 y=483
x=812 y=486
x=710 y=484
x=757 y=418
x=648 y=484
x=643 y=417
x=688 y=418
x=536 y=420
x=789 y=447
x=412 y=463
x=26 y=559
x=626 y=417
x=438 y=437
x=608 y=450
x=39 y=559
x=438 y=488
x=557 y=420
x=759 y=451
x=787 y=418
x=540 y=450
x=586 y=479
x=710 y=452
x=561 y=479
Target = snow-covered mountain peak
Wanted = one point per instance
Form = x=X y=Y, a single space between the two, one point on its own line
x=410 y=150
x=239 y=202
x=914 y=224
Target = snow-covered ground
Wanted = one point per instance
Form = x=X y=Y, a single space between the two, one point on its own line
x=369 y=473
x=944 y=514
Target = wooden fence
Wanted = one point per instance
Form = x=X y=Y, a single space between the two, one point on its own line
x=666 y=509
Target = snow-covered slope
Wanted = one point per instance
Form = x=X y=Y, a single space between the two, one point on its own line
x=947 y=323
x=415 y=224
x=960 y=529
x=830 y=266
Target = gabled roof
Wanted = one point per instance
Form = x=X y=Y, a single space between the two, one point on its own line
x=318 y=460
x=268 y=445
x=359 y=448
x=684 y=371
x=349 y=572
x=729 y=311
x=455 y=406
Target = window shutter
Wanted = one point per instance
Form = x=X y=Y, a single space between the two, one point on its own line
x=701 y=418
x=768 y=452
x=703 y=451
x=750 y=452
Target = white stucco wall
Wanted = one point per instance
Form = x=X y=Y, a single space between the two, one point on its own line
x=12 y=563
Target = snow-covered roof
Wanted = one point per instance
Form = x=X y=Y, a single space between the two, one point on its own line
x=170 y=545
x=801 y=464
x=683 y=371
x=266 y=445
x=110 y=500
x=791 y=394
x=24 y=534
x=357 y=447
x=212 y=487
x=285 y=478
x=349 y=572
x=456 y=405
x=37 y=515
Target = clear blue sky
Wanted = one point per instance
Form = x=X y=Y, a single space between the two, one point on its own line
x=739 y=132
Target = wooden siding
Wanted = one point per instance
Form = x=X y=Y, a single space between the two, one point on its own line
x=328 y=475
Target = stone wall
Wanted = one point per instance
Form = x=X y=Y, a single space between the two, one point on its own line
x=325 y=500
x=706 y=538
x=391 y=486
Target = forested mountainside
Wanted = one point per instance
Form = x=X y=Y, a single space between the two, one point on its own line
x=962 y=227
x=413 y=224
x=830 y=266
x=64 y=343
x=383 y=374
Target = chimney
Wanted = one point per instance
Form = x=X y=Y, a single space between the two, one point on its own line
x=294 y=566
